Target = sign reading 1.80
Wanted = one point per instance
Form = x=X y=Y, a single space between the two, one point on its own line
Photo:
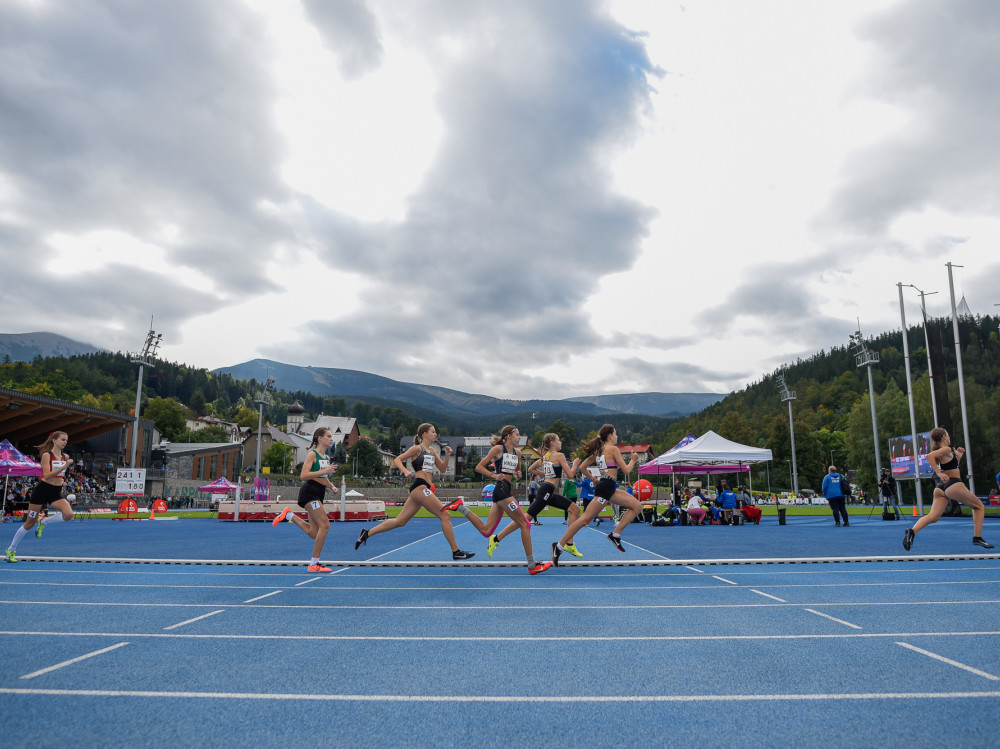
x=130 y=482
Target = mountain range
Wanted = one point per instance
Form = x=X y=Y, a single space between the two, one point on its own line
x=333 y=382
x=350 y=382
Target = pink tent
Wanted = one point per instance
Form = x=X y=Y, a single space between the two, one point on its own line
x=221 y=485
x=15 y=463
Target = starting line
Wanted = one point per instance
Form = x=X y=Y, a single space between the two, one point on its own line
x=567 y=563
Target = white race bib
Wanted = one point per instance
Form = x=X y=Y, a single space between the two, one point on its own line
x=509 y=464
x=549 y=469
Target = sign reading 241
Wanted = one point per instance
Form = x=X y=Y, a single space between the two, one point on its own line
x=130 y=482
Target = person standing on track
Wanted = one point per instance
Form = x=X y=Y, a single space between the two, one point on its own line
x=553 y=468
x=501 y=464
x=944 y=460
x=424 y=459
x=603 y=451
x=833 y=490
x=316 y=470
x=47 y=491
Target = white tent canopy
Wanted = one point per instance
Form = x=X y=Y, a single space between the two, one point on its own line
x=712 y=450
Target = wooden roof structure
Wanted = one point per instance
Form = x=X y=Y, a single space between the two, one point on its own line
x=27 y=419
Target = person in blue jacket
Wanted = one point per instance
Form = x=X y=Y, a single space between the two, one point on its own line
x=727 y=501
x=833 y=490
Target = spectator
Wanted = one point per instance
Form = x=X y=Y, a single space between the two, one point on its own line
x=887 y=488
x=727 y=501
x=747 y=507
x=833 y=490
x=696 y=513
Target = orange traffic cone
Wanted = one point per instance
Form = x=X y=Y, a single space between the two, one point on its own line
x=914 y=511
x=150 y=513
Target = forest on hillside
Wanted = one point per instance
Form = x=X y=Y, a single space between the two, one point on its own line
x=831 y=412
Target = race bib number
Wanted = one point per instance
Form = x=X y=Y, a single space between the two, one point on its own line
x=594 y=471
x=509 y=464
x=315 y=505
x=59 y=465
x=323 y=464
x=428 y=464
x=549 y=470
x=513 y=506
x=602 y=464
x=601 y=501
x=427 y=492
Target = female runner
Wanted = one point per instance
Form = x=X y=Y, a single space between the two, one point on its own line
x=500 y=464
x=553 y=468
x=423 y=458
x=944 y=460
x=46 y=492
x=603 y=451
x=316 y=469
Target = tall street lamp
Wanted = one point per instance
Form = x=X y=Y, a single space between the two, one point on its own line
x=263 y=399
x=787 y=397
x=143 y=358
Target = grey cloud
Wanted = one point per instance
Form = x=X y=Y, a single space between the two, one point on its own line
x=940 y=67
x=350 y=30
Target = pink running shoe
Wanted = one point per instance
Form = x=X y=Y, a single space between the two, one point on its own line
x=454 y=505
x=540 y=567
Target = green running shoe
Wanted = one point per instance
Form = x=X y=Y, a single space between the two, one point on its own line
x=571 y=548
x=38 y=529
x=11 y=556
x=492 y=546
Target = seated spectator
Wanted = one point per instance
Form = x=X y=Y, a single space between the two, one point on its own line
x=748 y=508
x=696 y=513
x=727 y=501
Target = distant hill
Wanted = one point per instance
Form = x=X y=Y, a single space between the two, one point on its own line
x=653 y=404
x=349 y=382
x=26 y=346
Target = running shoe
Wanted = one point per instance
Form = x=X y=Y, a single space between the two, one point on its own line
x=11 y=557
x=536 y=522
x=571 y=548
x=492 y=545
x=281 y=516
x=908 y=537
x=980 y=541
x=319 y=568
x=598 y=523
x=38 y=529
x=540 y=567
x=616 y=541
x=458 y=555
x=454 y=505
x=362 y=539
x=556 y=551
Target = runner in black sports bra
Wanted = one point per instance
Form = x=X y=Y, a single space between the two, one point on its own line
x=949 y=486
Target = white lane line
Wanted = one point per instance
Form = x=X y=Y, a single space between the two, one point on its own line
x=418 y=541
x=197 y=618
x=833 y=618
x=627 y=543
x=520 y=699
x=724 y=580
x=768 y=595
x=266 y=595
x=949 y=661
x=517 y=608
x=310 y=580
x=695 y=569
x=33 y=674
x=493 y=638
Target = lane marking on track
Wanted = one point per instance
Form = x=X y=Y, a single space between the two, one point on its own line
x=695 y=569
x=724 y=580
x=493 y=638
x=833 y=618
x=949 y=661
x=320 y=606
x=413 y=543
x=266 y=595
x=520 y=699
x=197 y=618
x=305 y=582
x=768 y=595
x=628 y=543
x=70 y=662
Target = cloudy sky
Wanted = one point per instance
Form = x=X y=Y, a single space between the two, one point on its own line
x=527 y=198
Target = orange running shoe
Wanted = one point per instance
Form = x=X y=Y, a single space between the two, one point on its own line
x=540 y=567
x=319 y=568
x=281 y=516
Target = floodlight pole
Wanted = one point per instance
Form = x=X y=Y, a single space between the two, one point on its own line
x=261 y=400
x=143 y=358
x=787 y=397
x=961 y=379
x=865 y=358
x=927 y=344
x=909 y=399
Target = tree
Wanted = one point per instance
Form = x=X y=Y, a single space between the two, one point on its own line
x=197 y=403
x=364 y=459
x=213 y=433
x=247 y=417
x=168 y=415
x=279 y=457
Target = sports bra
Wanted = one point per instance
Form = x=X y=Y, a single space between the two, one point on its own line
x=424 y=461
x=951 y=465
x=55 y=464
x=551 y=470
x=319 y=463
x=506 y=462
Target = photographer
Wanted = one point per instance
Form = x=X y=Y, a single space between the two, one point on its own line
x=887 y=488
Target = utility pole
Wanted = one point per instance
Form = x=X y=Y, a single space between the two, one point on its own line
x=263 y=398
x=143 y=358
x=865 y=358
x=909 y=399
x=787 y=397
x=961 y=379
